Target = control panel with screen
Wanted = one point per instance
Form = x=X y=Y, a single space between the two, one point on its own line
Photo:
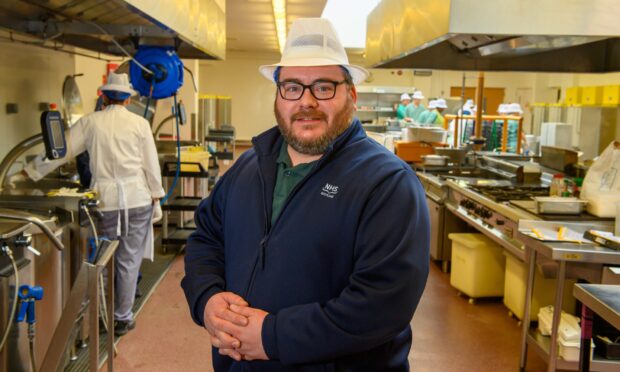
x=53 y=131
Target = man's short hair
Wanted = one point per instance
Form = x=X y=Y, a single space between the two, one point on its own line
x=112 y=101
x=347 y=75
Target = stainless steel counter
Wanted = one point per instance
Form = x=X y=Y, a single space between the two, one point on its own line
x=512 y=213
x=433 y=186
x=501 y=222
x=50 y=267
x=11 y=228
x=603 y=300
x=564 y=254
x=570 y=252
x=40 y=262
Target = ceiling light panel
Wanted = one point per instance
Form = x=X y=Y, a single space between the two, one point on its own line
x=279 y=14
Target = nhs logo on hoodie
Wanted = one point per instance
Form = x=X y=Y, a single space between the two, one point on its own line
x=329 y=191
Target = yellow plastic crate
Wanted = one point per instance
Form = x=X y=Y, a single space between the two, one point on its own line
x=573 y=95
x=194 y=155
x=515 y=285
x=477 y=266
x=592 y=96
x=611 y=95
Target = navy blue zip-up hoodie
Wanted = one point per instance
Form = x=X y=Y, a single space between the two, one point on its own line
x=341 y=270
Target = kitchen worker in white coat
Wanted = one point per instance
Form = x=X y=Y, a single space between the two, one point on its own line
x=126 y=174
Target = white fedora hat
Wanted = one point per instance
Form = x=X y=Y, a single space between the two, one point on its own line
x=314 y=42
x=418 y=95
x=118 y=83
x=441 y=103
x=405 y=96
x=514 y=108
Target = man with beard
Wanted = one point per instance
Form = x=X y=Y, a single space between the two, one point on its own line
x=312 y=251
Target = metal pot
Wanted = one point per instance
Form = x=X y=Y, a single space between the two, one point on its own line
x=456 y=156
x=436 y=160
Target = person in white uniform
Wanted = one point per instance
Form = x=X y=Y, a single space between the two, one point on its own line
x=126 y=174
x=415 y=108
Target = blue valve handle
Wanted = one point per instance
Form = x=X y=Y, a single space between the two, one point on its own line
x=27 y=296
x=93 y=250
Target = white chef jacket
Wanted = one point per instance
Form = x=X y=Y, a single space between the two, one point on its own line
x=123 y=158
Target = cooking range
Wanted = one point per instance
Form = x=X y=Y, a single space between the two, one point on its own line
x=507 y=193
x=484 y=204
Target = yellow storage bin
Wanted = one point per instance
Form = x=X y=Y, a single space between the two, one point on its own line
x=477 y=265
x=573 y=95
x=515 y=285
x=611 y=95
x=194 y=155
x=592 y=96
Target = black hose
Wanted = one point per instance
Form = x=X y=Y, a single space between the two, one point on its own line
x=148 y=99
x=178 y=170
x=192 y=76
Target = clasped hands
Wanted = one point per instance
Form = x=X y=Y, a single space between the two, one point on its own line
x=234 y=327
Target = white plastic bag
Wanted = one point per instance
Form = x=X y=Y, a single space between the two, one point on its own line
x=601 y=187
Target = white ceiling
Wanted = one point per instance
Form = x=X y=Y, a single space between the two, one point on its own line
x=250 y=25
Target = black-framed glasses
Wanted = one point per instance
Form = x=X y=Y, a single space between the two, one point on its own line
x=321 y=90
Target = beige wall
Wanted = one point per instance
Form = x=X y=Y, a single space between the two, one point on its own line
x=32 y=75
x=28 y=76
x=94 y=71
x=598 y=79
x=252 y=95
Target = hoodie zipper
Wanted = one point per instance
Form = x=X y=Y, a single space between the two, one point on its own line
x=260 y=259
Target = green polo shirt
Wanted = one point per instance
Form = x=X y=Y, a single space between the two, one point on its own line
x=287 y=178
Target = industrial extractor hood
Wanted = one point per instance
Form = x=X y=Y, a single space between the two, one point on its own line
x=196 y=28
x=495 y=35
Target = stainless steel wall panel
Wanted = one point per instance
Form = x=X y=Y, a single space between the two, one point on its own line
x=509 y=35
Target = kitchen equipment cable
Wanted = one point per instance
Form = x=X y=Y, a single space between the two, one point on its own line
x=7 y=250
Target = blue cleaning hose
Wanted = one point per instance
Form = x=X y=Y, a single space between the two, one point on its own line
x=178 y=170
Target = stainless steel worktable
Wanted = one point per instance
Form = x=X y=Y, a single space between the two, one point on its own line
x=563 y=253
x=603 y=300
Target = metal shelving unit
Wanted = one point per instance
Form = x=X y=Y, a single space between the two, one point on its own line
x=564 y=254
x=183 y=203
x=376 y=104
x=541 y=344
x=222 y=141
